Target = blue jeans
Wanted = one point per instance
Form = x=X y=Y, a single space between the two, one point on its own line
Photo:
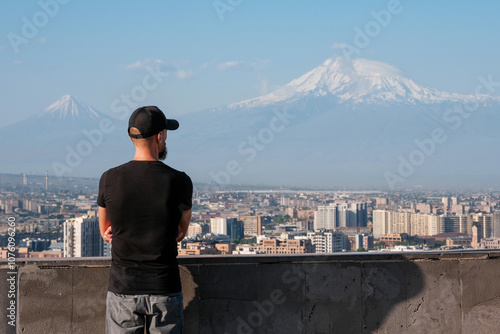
x=159 y=314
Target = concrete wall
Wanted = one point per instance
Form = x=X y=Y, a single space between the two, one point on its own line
x=346 y=293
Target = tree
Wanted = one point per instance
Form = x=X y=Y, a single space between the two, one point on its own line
x=268 y=226
x=248 y=241
x=438 y=244
x=280 y=219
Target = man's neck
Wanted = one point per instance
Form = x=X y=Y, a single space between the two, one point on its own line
x=145 y=155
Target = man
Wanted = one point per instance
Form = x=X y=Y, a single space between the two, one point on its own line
x=144 y=210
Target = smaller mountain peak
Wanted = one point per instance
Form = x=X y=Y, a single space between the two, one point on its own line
x=69 y=106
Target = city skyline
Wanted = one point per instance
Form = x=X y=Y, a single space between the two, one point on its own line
x=248 y=217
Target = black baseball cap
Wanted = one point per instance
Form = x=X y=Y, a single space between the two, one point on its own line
x=150 y=120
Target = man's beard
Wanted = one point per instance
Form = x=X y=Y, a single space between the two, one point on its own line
x=163 y=154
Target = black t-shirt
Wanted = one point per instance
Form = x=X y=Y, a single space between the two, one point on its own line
x=144 y=201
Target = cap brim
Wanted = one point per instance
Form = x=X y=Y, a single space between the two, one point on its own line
x=172 y=124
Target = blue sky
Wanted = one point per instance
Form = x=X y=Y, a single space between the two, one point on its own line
x=223 y=51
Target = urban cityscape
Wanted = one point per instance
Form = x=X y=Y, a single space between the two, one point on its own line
x=57 y=217
x=336 y=166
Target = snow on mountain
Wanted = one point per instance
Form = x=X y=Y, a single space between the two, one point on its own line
x=67 y=137
x=70 y=107
x=356 y=81
x=341 y=124
x=61 y=122
x=344 y=122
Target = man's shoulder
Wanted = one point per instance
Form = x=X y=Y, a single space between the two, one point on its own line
x=177 y=173
x=117 y=168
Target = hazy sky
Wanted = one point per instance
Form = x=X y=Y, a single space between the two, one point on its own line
x=223 y=51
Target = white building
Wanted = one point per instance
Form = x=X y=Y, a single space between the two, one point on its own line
x=325 y=217
x=245 y=250
x=335 y=215
x=381 y=222
x=327 y=241
x=496 y=224
x=218 y=226
x=82 y=238
x=387 y=222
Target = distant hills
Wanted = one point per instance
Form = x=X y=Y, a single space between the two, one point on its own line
x=357 y=123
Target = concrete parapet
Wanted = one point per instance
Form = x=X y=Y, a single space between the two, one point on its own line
x=452 y=292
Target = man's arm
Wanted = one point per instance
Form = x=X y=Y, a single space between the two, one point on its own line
x=184 y=224
x=105 y=225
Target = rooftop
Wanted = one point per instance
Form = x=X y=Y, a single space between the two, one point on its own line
x=445 y=292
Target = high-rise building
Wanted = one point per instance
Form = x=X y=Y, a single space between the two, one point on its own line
x=336 y=215
x=325 y=217
x=387 y=222
x=458 y=209
x=252 y=225
x=424 y=208
x=446 y=203
x=235 y=229
x=327 y=241
x=345 y=216
x=350 y=214
x=285 y=201
x=105 y=248
x=362 y=214
x=496 y=224
x=401 y=222
x=484 y=223
x=455 y=223
x=381 y=220
x=364 y=241
x=82 y=238
x=218 y=225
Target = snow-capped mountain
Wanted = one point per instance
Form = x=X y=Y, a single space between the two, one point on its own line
x=356 y=81
x=347 y=123
x=69 y=134
x=61 y=120
x=341 y=124
x=70 y=107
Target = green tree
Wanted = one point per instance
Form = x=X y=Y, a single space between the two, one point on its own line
x=280 y=219
x=248 y=241
x=438 y=244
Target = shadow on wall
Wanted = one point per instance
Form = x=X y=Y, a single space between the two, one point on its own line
x=303 y=294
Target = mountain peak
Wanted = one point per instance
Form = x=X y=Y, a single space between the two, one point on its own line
x=70 y=107
x=355 y=81
x=359 y=80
